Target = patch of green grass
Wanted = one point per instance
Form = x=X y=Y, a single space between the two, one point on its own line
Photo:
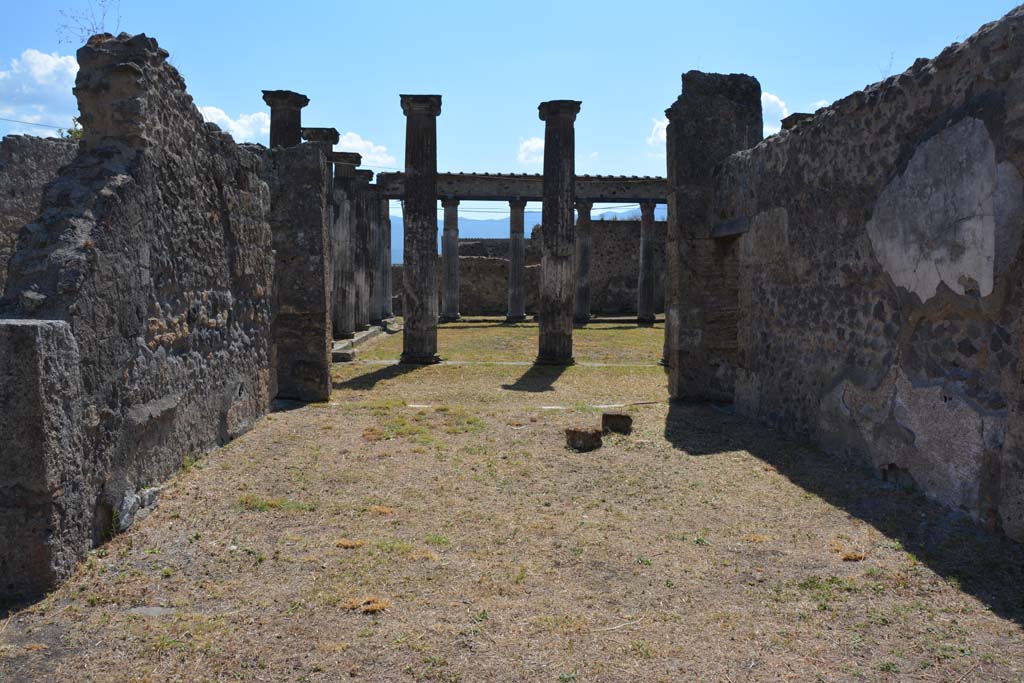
x=438 y=540
x=394 y=546
x=256 y=503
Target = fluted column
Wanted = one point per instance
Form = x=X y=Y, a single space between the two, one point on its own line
x=557 y=270
x=450 y=258
x=363 y=218
x=343 y=245
x=285 y=117
x=645 y=281
x=384 y=260
x=374 y=281
x=581 y=316
x=419 y=338
x=516 y=262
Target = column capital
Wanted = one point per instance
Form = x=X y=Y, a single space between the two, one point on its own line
x=429 y=105
x=352 y=159
x=364 y=175
x=329 y=135
x=517 y=204
x=449 y=202
x=284 y=99
x=559 y=109
x=647 y=209
x=584 y=207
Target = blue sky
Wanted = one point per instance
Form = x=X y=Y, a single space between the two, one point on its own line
x=492 y=63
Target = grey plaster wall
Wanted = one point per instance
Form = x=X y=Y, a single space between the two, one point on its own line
x=27 y=164
x=880 y=282
x=154 y=247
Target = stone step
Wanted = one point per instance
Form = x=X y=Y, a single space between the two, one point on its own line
x=344 y=350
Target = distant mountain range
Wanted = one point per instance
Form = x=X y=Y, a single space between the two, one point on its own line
x=499 y=227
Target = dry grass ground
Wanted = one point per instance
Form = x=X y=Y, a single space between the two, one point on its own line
x=428 y=525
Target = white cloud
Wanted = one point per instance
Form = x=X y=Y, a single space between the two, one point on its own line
x=36 y=87
x=821 y=103
x=593 y=155
x=658 y=133
x=773 y=109
x=373 y=155
x=246 y=128
x=531 y=151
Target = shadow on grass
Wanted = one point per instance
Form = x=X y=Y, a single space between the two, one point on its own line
x=987 y=566
x=368 y=380
x=537 y=379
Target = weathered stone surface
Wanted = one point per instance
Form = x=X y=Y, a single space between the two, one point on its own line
x=27 y=164
x=620 y=423
x=715 y=115
x=450 y=261
x=45 y=503
x=300 y=181
x=557 y=268
x=581 y=310
x=155 y=249
x=583 y=439
x=419 y=305
x=880 y=281
x=285 y=117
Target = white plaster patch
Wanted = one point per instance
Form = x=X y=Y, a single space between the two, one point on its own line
x=936 y=223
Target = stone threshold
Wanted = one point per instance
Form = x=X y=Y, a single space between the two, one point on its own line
x=344 y=350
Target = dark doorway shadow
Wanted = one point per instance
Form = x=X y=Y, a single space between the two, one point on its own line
x=988 y=566
x=368 y=380
x=537 y=379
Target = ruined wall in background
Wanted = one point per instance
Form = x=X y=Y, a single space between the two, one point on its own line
x=483 y=286
x=615 y=270
x=155 y=249
x=27 y=164
x=881 y=275
x=615 y=266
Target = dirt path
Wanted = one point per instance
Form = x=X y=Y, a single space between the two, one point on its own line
x=699 y=548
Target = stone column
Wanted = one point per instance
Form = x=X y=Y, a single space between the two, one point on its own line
x=716 y=116
x=516 y=262
x=373 y=255
x=383 y=298
x=343 y=309
x=388 y=284
x=645 y=281
x=581 y=316
x=557 y=269
x=285 y=117
x=361 y=247
x=450 y=258
x=419 y=338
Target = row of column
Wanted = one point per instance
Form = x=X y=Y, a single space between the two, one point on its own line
x=566 y=248
x=359 y=222
x=517 y=263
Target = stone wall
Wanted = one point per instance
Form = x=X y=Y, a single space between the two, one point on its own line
x=880 y=275
x=483 y=286
x=27 y=164
x=154 y=254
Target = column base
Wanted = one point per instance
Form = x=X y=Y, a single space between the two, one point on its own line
x=581 y=321
x=542 y=360
x=362 y=328
x=419 y=360
x=511 y=319
x=346 y=335
x=449 y=318
x=645 y=322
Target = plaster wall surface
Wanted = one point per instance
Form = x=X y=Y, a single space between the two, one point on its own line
x=880 y=280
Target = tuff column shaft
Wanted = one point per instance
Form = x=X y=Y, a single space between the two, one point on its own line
x=558 y=276
x=517 y=262
x=419 y=340
x=450 y=258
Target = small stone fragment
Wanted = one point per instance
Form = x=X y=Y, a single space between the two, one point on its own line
x=583 y=439
x=620 y=423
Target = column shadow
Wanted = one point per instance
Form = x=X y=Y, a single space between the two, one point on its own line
x=988 y=566
x=537 y=378
x=368 y=380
